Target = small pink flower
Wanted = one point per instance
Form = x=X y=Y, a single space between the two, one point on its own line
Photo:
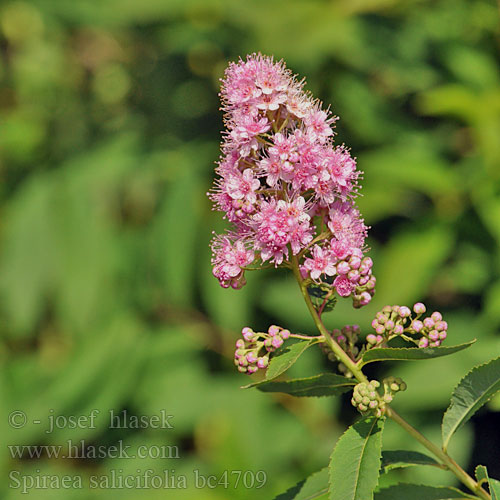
x=320 y=263
x=318 y=126
x=243 y=186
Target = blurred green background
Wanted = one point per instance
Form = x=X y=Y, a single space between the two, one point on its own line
x=109 y=129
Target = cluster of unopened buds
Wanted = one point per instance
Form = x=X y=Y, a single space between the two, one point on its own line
x=353 y=273
x=253 y=350
x=367 y=399
x=394 y=321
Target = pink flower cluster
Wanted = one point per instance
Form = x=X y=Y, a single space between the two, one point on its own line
x=253 y=350
x=395 y=321
x=283 y=184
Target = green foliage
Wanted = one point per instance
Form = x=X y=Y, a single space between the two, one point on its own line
x=109 y=132
x=397 y=459
x=494 y=489
x=419 y=492
x=473 y=391
x=355 y=461
x=481 y=473
x=410 y=353
x=283 y=359
x=326 y=384
x=314 y=487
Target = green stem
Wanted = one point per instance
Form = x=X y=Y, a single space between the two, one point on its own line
x=467 y=480
x=446 y=460
x=340 y=353
x=319 y=338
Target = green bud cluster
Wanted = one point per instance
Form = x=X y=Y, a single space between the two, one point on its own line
x=367 y=399
x=393 y=385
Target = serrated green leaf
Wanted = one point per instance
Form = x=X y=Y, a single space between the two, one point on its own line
x=283 y=359
x=481 y=473
x=314 y=487
x=326 y=384
x=355 y=461
x=395 y=459
x=420 y=492
x=494 y=489
x=410 y=353
x=473 y=391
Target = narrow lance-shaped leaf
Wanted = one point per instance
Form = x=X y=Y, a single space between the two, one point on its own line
x=283 y=359
x=312 y=488
x=410 y=353
x=473 y=391
x=355 y=461
x=420 y=492
x=326 y=384
x=396 y=459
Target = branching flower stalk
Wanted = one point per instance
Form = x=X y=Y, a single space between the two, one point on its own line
x=445 y=459
x=289 y=193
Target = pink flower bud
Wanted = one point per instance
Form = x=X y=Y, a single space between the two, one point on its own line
x=371 y=339
x=442 y=335
x=363 y=280
x=404 y=312
x=240 y=343
x=343 y=267
x=365 y=298
x=354 y=262
x=353 y=276
x=436 y=316
x=367 y=262
x=273 y=330
x=398 y=329
x=277 y=342
x=434 y=335
x=428 y=322
x=423 y=342
x=370 y=284
x=416 y=325
x=252 y=369
x=248 y=334
x=375 y=323
x=419 y=308
x=285 y=334
x=441 y=326
x=251 y=357
x=389 y=324
x=262 y=362
x=380 y=329
x=437 y=343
